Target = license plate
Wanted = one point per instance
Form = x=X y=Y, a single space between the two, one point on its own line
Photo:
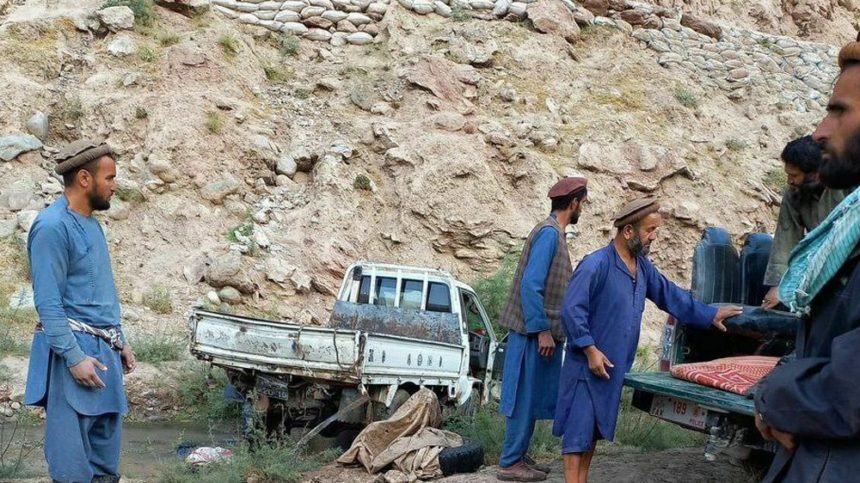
x=679 y=411
x=272 y=388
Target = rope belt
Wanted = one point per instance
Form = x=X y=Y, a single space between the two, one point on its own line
x=111 y=336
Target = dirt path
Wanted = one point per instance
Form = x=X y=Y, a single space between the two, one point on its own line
x=620 y=466
x=616 y=466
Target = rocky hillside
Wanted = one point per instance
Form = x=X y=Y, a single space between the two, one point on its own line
x=261 y=165
x=832 y=21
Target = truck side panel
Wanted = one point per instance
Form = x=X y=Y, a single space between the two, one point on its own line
x=276 y=347
x=391 y=356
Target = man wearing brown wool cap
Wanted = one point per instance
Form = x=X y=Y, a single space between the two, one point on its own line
x=601 y=316
x=79 y=352
x=533 y=357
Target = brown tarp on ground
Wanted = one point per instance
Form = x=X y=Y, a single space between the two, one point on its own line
x=410 y=441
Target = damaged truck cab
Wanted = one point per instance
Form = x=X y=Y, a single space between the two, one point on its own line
x=393 y=329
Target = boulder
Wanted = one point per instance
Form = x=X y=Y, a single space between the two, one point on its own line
x=597 y=7
x=552 y=17
x=12 y=146
x=122 y=46
x=702 y=26
x=603 y=158
x=223 y=270
x=218 y=190
x=189 y=8
x=38 y=125
x=230 y=295
x=8 y=228
x=286 y=166
x=116 y=18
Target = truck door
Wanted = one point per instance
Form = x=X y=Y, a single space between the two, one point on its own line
x=479 y=341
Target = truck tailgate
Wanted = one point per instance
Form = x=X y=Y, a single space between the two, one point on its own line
x=276 y=347
x=663 y=384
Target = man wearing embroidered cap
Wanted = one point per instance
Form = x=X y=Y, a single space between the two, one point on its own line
x=601 y=315
x=533 y=357
x=79 y=353
x=811 y=405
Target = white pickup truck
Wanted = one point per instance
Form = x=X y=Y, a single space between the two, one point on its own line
x=393 y=329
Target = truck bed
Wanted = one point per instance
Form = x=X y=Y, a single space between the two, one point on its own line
x=276 y=347
x=326 y=353
x=663 y=384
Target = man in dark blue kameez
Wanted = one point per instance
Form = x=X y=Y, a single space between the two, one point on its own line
x=533 y=357
x=601 y=314
x=79 y=353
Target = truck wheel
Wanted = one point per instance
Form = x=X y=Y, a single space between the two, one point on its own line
x=462 y=459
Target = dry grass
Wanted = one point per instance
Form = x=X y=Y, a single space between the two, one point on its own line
x=230 y=45
x=776 y=180
x=33 y=50
x=214 y=122
x=626 y=98
x=276 y=72
x=158 y=299
x=15 y=322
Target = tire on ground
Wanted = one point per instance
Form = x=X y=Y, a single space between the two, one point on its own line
x=467 y=458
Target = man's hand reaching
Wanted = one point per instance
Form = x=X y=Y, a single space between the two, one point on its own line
x=724 y=313
x=771 y=299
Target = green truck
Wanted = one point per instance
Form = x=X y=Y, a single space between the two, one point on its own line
x=720 y=275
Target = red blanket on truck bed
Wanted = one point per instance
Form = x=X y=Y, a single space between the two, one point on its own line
x=733 y=374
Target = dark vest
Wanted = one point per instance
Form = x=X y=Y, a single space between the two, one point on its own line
x=557 y=279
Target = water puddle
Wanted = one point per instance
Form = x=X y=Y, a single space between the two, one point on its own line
x=146 y=447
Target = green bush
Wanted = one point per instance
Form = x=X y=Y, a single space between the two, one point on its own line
x=200 y=391
x=362 y=182
x=289 y=45
x=154 y=349
x=488 y=427
x=493 y=290
x=686 y=98
x=214 y=122
x=245 y=230
x=147 y=54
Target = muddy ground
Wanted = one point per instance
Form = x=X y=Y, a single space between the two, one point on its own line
x=621 y=466
x=616 y=465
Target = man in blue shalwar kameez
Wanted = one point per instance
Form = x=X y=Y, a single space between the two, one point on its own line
x=601 y=315
x=79 y=354
x=533 y=358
